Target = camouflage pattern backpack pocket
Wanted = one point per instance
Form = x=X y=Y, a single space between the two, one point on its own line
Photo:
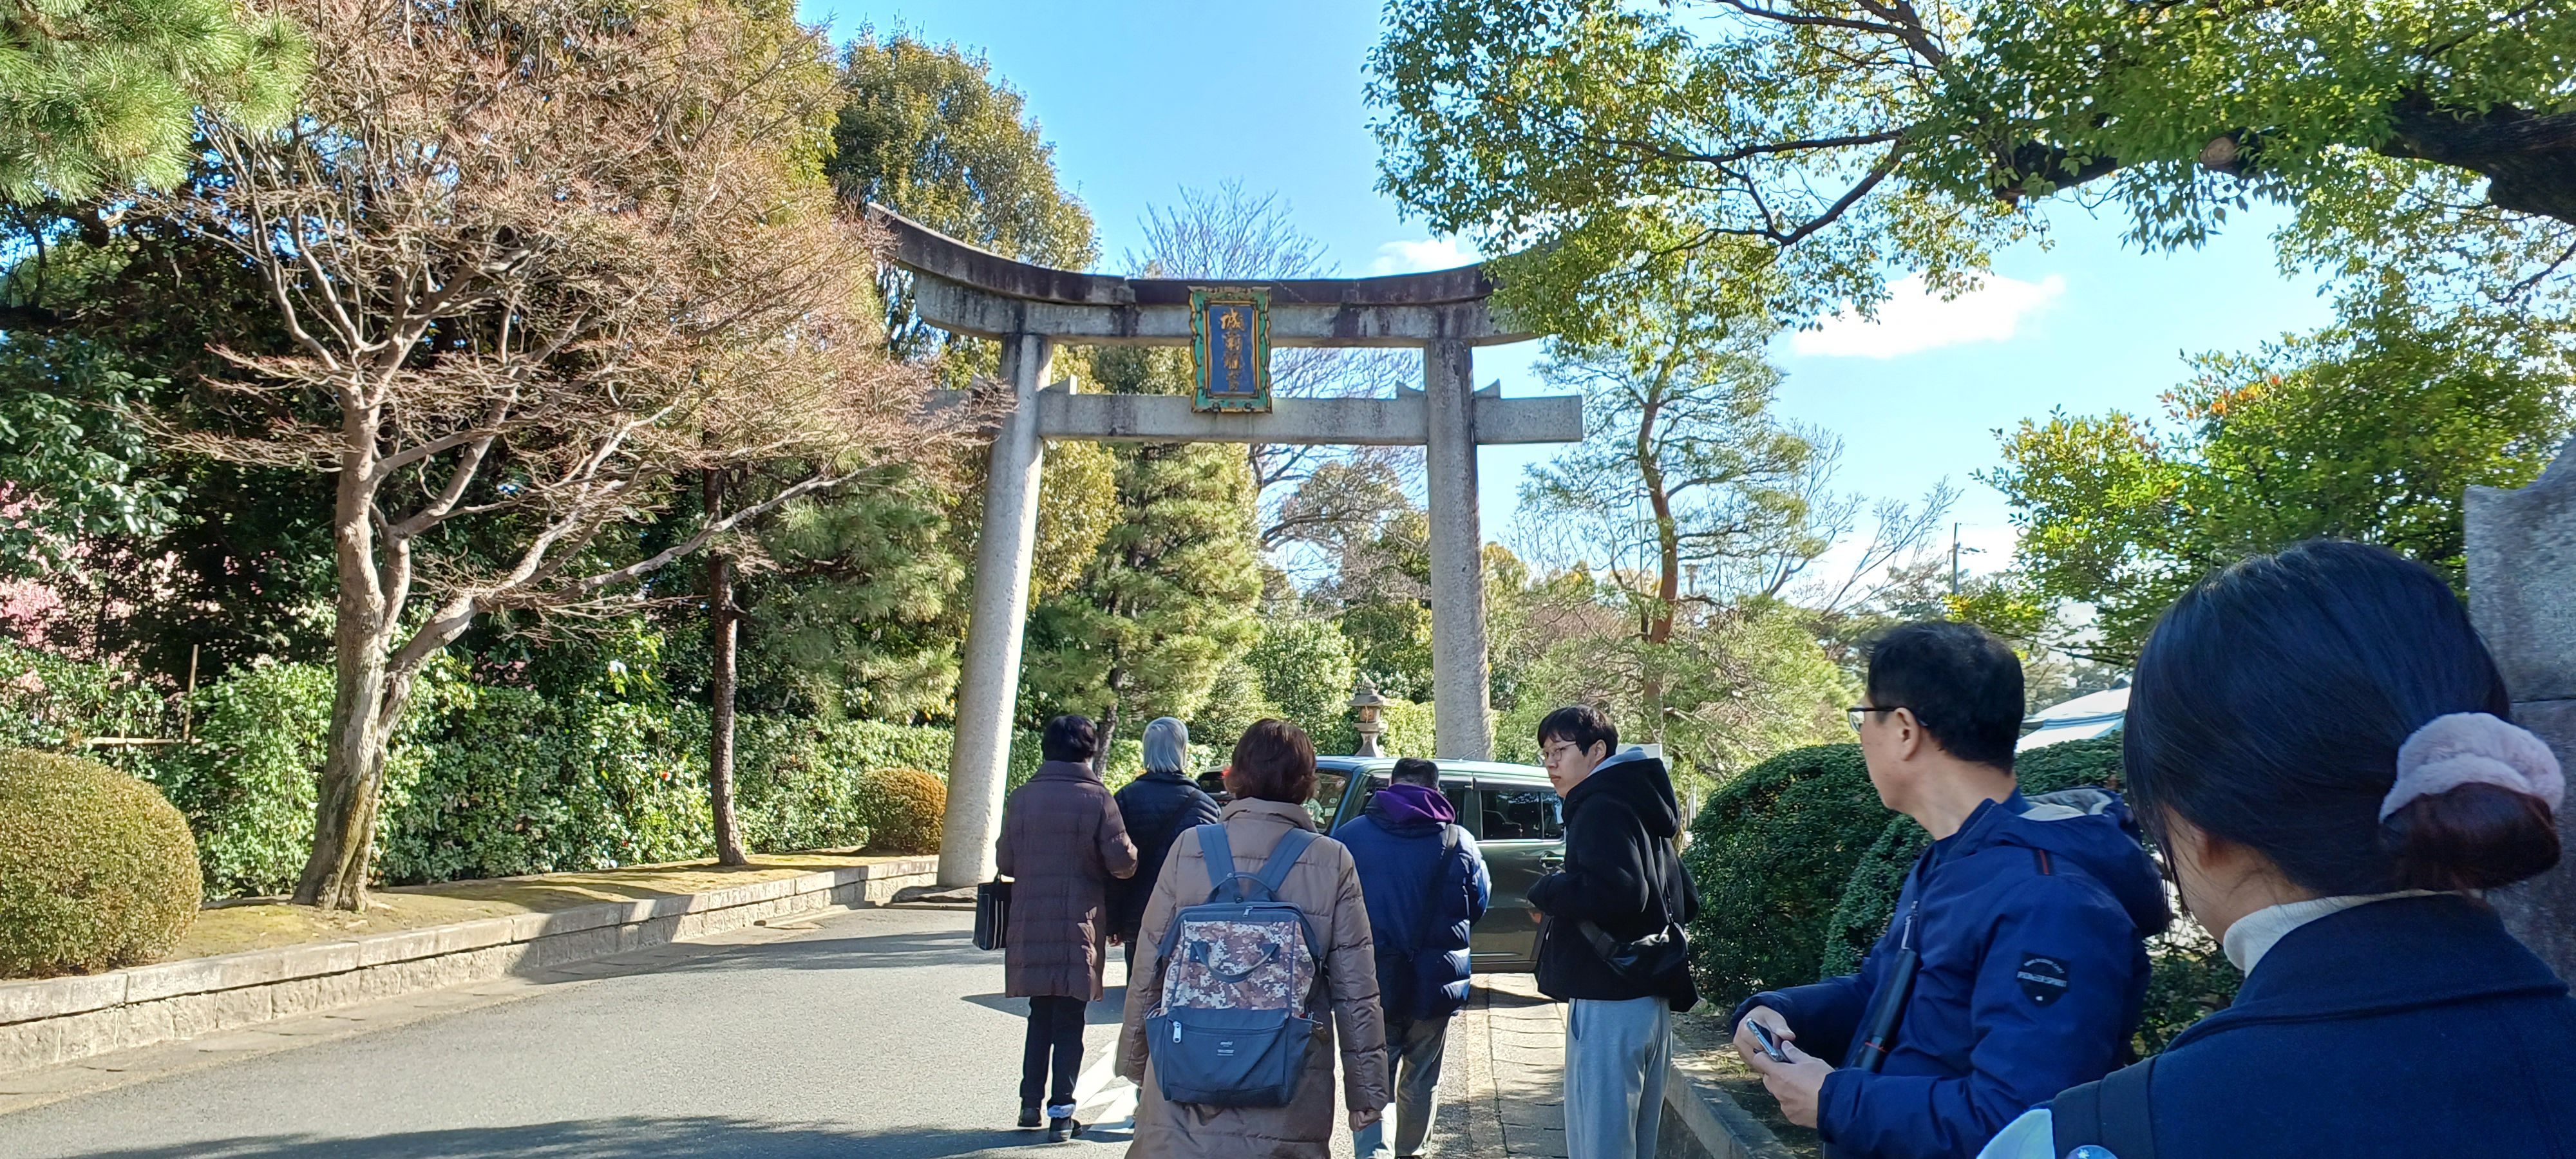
x=1240 y=974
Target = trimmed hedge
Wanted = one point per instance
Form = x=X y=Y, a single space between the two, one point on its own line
x=904 y=807
x=97 y=871
x=1770 y=853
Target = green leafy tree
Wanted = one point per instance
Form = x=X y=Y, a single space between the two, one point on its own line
x=2371 y=429
x=1304 y=670
x=1172 y=594
x=96 y=94
x=1604 y=143
x=1686 y=486
x=929 y=132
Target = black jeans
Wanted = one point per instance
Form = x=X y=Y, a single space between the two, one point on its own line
x=1055 y=1027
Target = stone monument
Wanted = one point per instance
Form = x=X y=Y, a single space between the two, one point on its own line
x=2522 y=593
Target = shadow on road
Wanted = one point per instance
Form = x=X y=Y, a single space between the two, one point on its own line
x=1109 y=1011
x=624 y=1138
x=877 y=952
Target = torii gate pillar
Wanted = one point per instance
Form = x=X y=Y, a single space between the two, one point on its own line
x=1029 y=308
x=988 y=676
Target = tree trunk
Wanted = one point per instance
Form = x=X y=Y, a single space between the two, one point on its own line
x=366 y=696
x=722 y=622
x=1108 y=725
x=353 y=769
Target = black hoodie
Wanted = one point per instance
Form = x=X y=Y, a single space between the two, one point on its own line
x=1621 y=873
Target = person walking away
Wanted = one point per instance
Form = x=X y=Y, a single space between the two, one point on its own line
x=1156 y=807
x=1622 y=881
x=1271 y=778
x=1062 y=844
x=1425 y=885
x=2015 y=965
x=2324 y=752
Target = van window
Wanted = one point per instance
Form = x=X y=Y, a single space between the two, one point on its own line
x=1456 y=791
x=1329 y=784
x=1523 y=815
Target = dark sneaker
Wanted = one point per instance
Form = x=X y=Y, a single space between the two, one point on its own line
x=1058 y=1130
x=1028 y=1116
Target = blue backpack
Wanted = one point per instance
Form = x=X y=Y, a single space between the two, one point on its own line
x=1240 y=972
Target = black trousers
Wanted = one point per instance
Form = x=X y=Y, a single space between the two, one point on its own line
x=1055 y=1029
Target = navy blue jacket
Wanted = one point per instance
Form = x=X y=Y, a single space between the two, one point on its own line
x=1155 y=807
x=2030 y=921
x=1420 y=904
x=2408 y=1028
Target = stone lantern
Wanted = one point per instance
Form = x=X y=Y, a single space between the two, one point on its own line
x=1368 y=707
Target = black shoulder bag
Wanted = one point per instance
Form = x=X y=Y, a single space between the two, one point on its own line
x=1658 y=963
x=992 y=914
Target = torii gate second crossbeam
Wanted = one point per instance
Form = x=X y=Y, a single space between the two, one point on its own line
x=1031 y=309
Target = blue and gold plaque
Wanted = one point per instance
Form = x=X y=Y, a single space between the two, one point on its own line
x=1230 y=334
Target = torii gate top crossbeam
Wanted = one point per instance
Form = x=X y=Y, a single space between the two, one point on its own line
x=960 y=288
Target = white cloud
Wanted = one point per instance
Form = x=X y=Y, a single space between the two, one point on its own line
x=1914 y=319
x=1410 y=257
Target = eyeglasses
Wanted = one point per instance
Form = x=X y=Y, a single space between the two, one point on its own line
x=1860 y=712
x=1549 y=753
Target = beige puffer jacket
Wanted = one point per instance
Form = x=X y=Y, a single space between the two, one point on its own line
x=1326 y=888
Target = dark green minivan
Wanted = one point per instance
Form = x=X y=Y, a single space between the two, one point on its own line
x=1516 y=818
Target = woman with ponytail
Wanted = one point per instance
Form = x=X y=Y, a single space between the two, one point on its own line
x=2323 y=750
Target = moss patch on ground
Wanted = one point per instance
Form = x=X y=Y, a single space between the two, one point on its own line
x=233 y=927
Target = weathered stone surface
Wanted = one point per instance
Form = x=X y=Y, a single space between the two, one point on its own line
x=2522 y=594
x=28 y=1045
x=2522 y=579
x=988 y=678
x=54 y=1020
x=55 y=997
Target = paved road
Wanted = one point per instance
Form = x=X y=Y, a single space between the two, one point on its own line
x=877 y=1033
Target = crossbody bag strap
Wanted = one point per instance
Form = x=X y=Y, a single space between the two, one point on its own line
x=2115 y=1114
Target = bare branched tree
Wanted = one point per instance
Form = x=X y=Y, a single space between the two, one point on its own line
x=538 y=263
x=1228 y=233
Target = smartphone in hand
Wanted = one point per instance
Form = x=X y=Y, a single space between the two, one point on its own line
x=1770 y=1045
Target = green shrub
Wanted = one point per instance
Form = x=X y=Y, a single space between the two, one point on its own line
x=96 y=869
x=1869 y=894
x=47 y=701
x=2188 y=978
x=247 y=784
x=1770 y=853
x=903 y=809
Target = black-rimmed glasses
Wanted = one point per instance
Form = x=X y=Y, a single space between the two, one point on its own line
x=1860 y=712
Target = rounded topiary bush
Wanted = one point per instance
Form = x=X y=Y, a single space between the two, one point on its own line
x=903 y=810
x=1770 y=852
x=96 y=869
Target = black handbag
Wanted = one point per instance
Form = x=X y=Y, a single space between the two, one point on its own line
x=992 y=914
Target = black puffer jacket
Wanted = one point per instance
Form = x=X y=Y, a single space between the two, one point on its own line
x=1156 y=806
x=1621 y=873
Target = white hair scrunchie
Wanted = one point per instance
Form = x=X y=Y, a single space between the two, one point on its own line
x=2474 y=748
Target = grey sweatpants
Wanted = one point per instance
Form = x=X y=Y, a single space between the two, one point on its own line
x=1615 y=1054
x=1413 y=1067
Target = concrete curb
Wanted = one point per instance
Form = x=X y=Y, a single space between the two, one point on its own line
x=1723 y=1129
x=58 y=1020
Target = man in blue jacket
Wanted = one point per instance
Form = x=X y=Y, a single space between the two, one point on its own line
x=1424 y=883
x=2027 y=918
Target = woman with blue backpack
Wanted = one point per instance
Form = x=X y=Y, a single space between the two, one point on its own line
x=1254 y=950
x=2325 y=754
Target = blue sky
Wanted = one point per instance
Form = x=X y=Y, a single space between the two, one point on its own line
x=1123 y=91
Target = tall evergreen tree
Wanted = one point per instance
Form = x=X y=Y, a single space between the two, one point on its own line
x=1173 y=592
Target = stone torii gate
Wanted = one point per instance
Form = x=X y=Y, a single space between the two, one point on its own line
x=1031 y=309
